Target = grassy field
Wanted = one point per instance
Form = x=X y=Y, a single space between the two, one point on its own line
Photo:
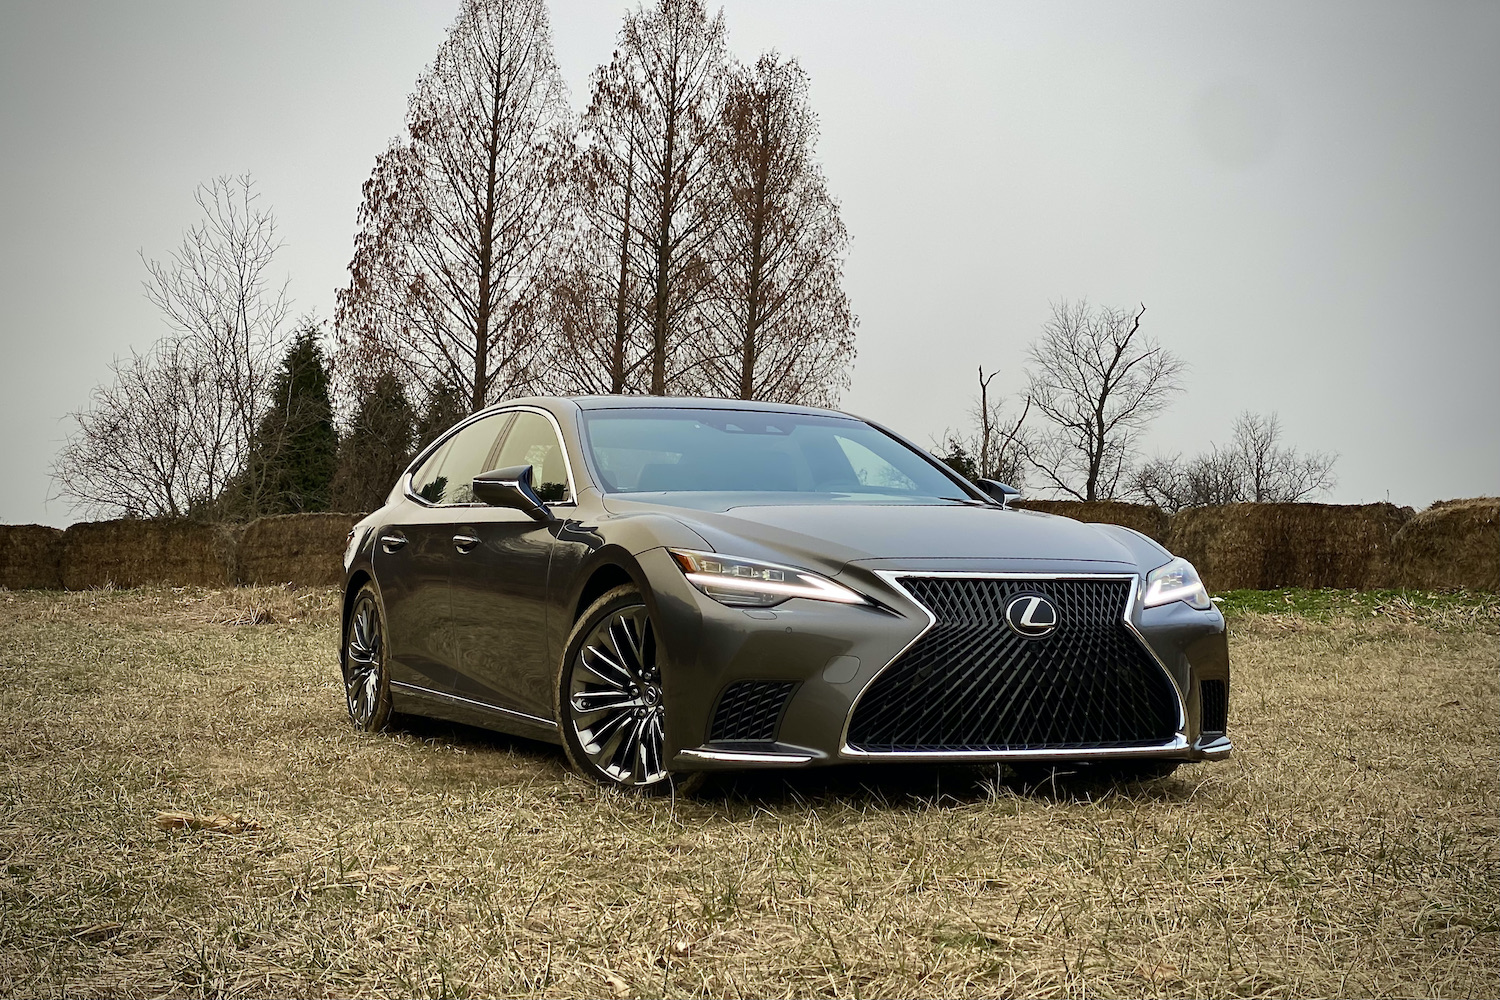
x=1348 y=848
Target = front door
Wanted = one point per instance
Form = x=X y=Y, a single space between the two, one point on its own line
x=499 y=585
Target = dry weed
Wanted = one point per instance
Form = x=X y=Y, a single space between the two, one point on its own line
x=1348 y=848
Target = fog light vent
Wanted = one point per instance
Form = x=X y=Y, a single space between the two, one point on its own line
x=1215 y=697
x=750 y=711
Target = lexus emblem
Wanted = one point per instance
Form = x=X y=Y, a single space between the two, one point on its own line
x=1031 y=615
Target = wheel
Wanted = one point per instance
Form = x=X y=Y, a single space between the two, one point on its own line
x=609 y=696
x=367 y=686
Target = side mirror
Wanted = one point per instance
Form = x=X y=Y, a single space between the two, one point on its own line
x=1001 y=493
x=512 y=488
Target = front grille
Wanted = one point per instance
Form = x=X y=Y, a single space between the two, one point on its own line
x=971 y=683
x=1215 y=698
x=749 y=711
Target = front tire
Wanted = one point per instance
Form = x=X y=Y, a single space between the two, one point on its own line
x=367 y=685
x=609 y=696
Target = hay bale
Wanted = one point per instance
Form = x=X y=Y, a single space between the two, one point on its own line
x=1258 y=546
x=301 y=549
x=132 y=552
x=1149 y=521
x=1453 y=543
x=30 y=557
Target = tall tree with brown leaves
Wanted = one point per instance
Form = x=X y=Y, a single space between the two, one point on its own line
x=459 y=222
x=651 y=197
x=777 y=322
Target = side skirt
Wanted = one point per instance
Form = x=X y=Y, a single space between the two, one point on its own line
x=416 y=700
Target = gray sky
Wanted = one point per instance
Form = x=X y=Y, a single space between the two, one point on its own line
x=1305 y=196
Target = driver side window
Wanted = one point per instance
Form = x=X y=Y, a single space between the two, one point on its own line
x=447 y=478
x=531 y=441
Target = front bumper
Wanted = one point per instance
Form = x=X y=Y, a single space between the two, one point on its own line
x=829 y=653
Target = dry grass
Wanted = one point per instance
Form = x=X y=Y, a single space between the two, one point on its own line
x=1349 y=848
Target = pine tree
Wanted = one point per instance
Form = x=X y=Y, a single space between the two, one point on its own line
x=379 y=442
x=296 y=440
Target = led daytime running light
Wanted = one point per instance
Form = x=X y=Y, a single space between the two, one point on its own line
x=747 y=582
x=1176 y=581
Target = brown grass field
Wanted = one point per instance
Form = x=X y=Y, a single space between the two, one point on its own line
x=1349 y=848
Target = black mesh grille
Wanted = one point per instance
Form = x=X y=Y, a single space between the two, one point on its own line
x=971 y=683
x=1215 y=705
x=749 y=711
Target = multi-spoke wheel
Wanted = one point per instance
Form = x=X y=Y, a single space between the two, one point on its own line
x=609 y=694
x=366 y=687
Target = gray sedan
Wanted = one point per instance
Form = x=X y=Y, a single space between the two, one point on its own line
x=670 y=586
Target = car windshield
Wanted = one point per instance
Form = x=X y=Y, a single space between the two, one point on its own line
x=663 y=450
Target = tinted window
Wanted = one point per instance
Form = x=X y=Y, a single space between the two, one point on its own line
x=532 y=441
x=667 y=450
x=448 y=476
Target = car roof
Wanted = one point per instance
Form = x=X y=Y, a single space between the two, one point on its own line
x=679 y=402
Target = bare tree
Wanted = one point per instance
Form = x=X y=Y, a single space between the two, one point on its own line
x=1098 y=381
x=1253 y=469
x=995 y=447
x=177 y=423
x=777 y=322
x=459 y=223
x=652 y=195
x=1274 y=474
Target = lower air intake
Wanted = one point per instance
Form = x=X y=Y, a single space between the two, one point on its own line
x=1215 y=698
x=750 y=711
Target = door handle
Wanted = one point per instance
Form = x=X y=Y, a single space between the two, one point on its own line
x=465 y=543
x=392 y=542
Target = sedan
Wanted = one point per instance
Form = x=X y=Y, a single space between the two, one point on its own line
x=666 y=587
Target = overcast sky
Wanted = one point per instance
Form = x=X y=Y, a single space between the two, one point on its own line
x=1306 y=197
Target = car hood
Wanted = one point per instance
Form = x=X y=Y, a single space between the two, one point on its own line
x=833 y=534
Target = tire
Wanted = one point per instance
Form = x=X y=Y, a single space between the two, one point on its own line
x=367 y=682
x=609 y=697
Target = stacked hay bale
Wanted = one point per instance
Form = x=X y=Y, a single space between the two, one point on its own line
x=301 y=549
x=1453 y=543
x=132 y=552
x=1149 y=521
x=1259 y=546
x=30 y=557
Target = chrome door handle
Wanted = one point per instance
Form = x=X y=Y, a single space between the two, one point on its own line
x=392 y=542
x=465 y=543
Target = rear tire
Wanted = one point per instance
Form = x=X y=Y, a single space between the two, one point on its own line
x=609 y=703
x=363 y=659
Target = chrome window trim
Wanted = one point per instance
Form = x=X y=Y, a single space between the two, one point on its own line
x=1175 y=746
x=411 y=494
x=443 y=695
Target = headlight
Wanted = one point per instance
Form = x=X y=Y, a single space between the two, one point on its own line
x=1176 y=581
x=747 y=583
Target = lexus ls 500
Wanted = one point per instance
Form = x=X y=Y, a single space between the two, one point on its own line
x=667 y=586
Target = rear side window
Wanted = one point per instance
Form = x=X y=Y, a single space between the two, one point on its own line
x=532 y=441
x=448 y=476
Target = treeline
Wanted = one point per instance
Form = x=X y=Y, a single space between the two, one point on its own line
x=676 y=237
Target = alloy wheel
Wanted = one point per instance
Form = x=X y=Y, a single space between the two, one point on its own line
x=364 y=652
x=614 y=700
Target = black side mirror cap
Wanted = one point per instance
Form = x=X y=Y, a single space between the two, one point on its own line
x=1001 y=493
x=512 y=488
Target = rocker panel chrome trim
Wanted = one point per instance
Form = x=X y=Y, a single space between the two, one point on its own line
x=417 y=689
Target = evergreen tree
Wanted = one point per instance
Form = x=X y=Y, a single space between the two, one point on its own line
x=379 y=442
x=296 y=440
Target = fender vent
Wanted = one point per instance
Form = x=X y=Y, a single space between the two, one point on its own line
x=1215 y=698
